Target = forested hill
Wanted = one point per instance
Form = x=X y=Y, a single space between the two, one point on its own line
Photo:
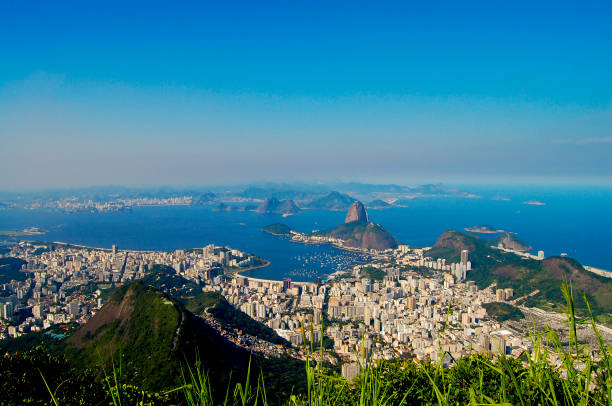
x=190 y=294
x=525 y=276
x=10 y=269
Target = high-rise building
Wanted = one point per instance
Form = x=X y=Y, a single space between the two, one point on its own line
x=485 y=342
x=74 y=308
x=501 y=295
x=411 y=303
x=223 y=258
x=367 y=316
x=287 y=284
x=6 y=310
x=464 y=257
x=350 y=371
x=498 y=344
x=114 y=249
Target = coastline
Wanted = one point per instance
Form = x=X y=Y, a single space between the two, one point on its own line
x=332 y=243
x=598 y=271
x=239 y=274
x=251 y=268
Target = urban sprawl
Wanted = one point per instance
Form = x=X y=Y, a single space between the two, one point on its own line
x=415 y=307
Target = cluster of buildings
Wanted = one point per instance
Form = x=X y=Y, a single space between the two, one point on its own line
x=74 y=204
x=65 y=281
x=404 y=314
x=315 y=239
x=415 y=258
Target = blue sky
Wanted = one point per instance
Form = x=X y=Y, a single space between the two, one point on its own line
x=95 y=93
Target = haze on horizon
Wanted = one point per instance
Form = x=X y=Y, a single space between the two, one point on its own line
x=150 y=94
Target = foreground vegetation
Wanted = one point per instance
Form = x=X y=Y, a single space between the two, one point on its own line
x=583 y=378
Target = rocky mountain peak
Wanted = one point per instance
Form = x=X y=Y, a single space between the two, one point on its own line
x=356 y=212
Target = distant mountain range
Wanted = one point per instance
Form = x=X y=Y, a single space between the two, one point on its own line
x=337 y=196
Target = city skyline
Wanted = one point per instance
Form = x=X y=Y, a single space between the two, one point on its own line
x=209 y=94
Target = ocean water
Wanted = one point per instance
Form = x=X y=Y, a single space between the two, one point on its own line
x=573 y=220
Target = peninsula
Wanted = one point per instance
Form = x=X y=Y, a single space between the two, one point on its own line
x=357 y=232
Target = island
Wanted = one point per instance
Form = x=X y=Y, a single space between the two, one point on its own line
x=278 y=229
x=274 y=206
x=535 y=203
x=23 y=233
x=483 y=230
x=233 y=208
x=378 y=204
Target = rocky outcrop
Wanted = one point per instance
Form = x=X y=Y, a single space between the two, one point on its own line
x=359 y=232
x=511 y=242
x=274 y=206
x=356 y=212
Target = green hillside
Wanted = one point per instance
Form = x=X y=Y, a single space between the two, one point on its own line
x=525 y=276
x=190 y=294
x=501 y=311
x=10 y=270
x=142 y=325
x=154 y=337
x=372 y=273
x=230 y=317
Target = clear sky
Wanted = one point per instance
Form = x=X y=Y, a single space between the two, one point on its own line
x=176 y=93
